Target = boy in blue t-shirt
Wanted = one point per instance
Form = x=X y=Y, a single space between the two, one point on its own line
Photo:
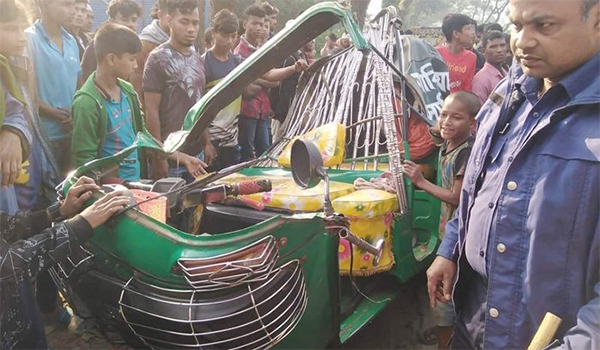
x=55 y=58
x=218 y=62
x=106 y=111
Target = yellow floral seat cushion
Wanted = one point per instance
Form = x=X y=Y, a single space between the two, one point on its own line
x=371 y=218
x=330 y=139
x=287 y=195
x=369 y=203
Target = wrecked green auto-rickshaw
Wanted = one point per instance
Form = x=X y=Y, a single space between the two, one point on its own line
x=299 y=248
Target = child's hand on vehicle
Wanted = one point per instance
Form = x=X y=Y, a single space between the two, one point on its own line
x=194 y=166
x=413 y=172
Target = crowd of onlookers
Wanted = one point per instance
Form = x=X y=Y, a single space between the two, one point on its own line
x=477 y=56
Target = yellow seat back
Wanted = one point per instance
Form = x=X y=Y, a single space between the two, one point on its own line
x=330 y=139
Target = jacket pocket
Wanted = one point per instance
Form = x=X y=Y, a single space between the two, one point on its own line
x=572 y=148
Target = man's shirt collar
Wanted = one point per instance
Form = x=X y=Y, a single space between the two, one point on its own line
x=583 y=78
x=247 y=43
x=497 y=72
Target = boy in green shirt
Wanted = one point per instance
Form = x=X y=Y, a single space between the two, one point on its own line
x=106 y=110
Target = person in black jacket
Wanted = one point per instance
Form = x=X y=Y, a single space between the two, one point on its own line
x=281 y=97
x=28 y=246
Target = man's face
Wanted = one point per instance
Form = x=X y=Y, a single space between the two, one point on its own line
x=495 y=51
x=59 y=11
x=265 y=33
x=255 y=28
x=455 y=121
x=551 y=38
x=130 y=22
x=89 y=22
x=466 y=37
x=125 y=65
x=80 y=15
x=309 y=46
x=272 y=19
x=478 y=36
x=224 y=41
x=185 y=27
x=332 y=44
x=12 y=37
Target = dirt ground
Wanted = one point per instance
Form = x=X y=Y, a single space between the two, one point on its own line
x=395 y=328
x=398 y=325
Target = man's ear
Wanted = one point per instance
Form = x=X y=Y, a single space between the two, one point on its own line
x=595 y=17
x=244 y=24
x=110 y=59
x=455 y=34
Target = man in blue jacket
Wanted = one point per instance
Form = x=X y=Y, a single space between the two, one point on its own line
x=526 y=237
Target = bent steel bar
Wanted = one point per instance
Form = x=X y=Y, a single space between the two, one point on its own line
x=247 y=264
x=306 y=27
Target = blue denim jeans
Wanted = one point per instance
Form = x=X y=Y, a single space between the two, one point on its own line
x=254 y=136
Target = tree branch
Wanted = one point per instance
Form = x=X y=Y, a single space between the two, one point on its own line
x=484 y=11
x=501 y=10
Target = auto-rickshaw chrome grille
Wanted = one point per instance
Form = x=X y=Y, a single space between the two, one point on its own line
x=248 y=264
x=255 y=315
x=78 y=262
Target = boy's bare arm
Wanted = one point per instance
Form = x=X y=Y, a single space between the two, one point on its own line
x=152 y=105
x=210 y=153
x=416 y=176
x=160 y=167
x=272 y=78
x=279 y=74
x=268 y=84
x=48 y=111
